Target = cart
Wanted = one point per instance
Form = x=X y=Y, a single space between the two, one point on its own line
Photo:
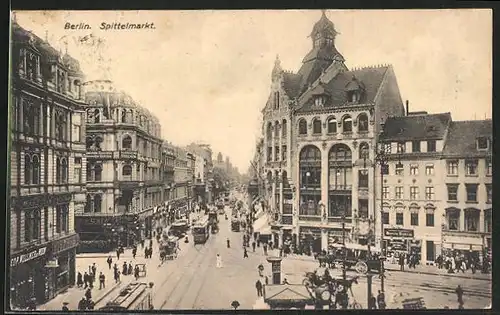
x=168 y=249
x=142 y=270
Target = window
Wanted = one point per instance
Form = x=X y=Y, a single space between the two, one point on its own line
x=60 y=126
x=332 y=125
x=269 y=131
x=399 y=219
x=489 y=167
x=276 y=100
x=385 y=217
x=269 y=154
x=400 y=169
x=62 y=219
x=431 y=145
x=316 y=126
x=429 y=219
x=31 y=169
x=482 y=143
x=471 y=192
x=94 y=172
x=414 y=218
x=363 y=208
x=77 y=170
x=363 y=123
x=385 y=192
x=283 y=153
x=487 y=221
x=385 y=169
x=347 y=124
x=32 y=65
x=97 y=203
x=452 y=167
x=64 y=170
x=429 y=193
x=309 y=205
x=415 y=146
x=319 y=101
x=413 y=193
x=340 y=178
x=127 y=142
x=363 y=178
x=399 y=192
x=277 y=130
x=32 y=225
x=302 y=127
x=276 y=153
x=453 y=219
x=429 y=169
x=284 y=129
x=471 y=220
x=414 y=169
x=401 y=147
x=471 y=167
x=452 y=192
x=488 y=193
x=364 y=152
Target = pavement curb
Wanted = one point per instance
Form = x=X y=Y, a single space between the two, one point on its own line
x=107 y=293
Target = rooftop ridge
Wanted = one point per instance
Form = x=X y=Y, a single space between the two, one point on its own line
x=377 y=66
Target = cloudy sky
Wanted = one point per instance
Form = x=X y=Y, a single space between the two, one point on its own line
x=206 y=74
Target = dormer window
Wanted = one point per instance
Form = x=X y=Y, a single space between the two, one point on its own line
x=319 y=101
x=353 y=96
x=482 y=143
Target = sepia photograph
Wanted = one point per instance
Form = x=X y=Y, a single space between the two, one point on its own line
x=249 y=160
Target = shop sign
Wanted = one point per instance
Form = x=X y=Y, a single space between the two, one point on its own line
x=399 y=233
x=27 y=257
x=64 y=244
x=128 y=154
x=100 y=154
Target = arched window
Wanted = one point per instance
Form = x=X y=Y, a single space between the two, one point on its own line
x=64 y=170
x=88 y=205
x=97 y=172
x=310 y=180
x=340 y=180
x=364 y=150
x=269 y=131
x=27 y=169
x=332 y=125
x=97 y=203
x=302 y=127
x=347 y=124
x=124 y=116
x=316 y=126
x=127 y=142
x=60 y=126
x=127 y=170
x=283 y=128
x=276 y=129
x=362 y=123
x=36 y=170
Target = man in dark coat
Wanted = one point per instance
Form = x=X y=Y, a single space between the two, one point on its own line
x=82 y=304
x=86 y=280
x=402 y=262
x=79 y=280
x=245 y=253
x=228 y=243
x=102 y=278
x=124 y=268
x=253 y=246
x=381 y=300
x=134 y=252
x=460 y=292
x=109 y=261
x=258 y=286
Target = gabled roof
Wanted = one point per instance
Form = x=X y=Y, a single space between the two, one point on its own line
x=462 y=136
x=415 y=127
x=288 y=292
x=370 y=78
x=291 y=84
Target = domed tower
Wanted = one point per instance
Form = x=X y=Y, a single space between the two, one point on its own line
x=323 y=33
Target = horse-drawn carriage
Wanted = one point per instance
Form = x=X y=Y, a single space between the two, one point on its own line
x=179 y=228
x=354 y=256
x=169 y=248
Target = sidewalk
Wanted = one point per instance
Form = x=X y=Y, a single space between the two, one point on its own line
x=420 y=269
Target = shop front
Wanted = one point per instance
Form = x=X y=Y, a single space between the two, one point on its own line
x=397 y=242
x=464 y=241
x=310 y=240
x=28 y=278
x=62 y=263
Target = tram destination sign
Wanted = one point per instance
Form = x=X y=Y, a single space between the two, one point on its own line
x=399 y=233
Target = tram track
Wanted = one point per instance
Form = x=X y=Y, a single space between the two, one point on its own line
x=197 y=260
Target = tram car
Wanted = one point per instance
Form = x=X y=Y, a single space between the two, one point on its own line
x=201 y=231
x=135 y=296
x=235 y=225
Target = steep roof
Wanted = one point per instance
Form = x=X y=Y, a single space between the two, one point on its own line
x=415 y=127
x=369 y=78
x=461 y=140
x=291 y=84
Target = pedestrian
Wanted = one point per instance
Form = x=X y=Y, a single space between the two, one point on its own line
x=118 y=254
x=109 y=261
x=142 y=243
x=245 y=253
x=460 y=292
x=130 y=269
x=86 y=279
x=65 y=307
x=136 y=272
x=253 y=246
x=82 y=304
x=79 y=280
x=219 y=261
x=134 y=252
x=402 y=262
x=124 y=268
x=116 y=275
x=91 y=305
x=258 y=286
x=228 y=243
x=88 y=294
x=102 y=278
x=265 y=249
x=372 y=303
x=381 y=300
x=94 y=270
x=285 y=281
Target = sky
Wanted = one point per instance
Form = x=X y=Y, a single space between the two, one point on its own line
x=206 y=74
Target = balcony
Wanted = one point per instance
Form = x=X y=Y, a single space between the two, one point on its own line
x=128 y=154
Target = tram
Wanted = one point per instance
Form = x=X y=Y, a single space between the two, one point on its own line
x=134 y=296
x=201 y=231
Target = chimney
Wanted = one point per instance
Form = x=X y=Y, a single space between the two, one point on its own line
x=407 y=108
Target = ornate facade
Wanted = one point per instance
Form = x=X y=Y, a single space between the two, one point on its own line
x=123 y=169
x=47 y=155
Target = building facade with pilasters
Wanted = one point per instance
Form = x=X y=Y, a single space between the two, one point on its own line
x=47 y=154
x=123 y=170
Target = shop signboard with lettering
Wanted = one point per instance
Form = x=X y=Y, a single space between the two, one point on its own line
x=403 y=233
x=27 y=257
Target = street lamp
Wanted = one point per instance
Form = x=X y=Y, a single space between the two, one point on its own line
x=381 y=158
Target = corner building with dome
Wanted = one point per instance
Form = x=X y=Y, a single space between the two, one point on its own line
x=320 y=129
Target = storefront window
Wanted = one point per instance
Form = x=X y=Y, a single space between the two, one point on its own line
x=309 y=205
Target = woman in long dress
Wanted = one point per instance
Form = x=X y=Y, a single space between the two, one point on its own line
x=219 y=261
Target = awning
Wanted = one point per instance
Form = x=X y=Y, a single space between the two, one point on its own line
x=261 y=225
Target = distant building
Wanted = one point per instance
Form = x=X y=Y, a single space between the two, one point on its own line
x=204 y=189
x=47 y=163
